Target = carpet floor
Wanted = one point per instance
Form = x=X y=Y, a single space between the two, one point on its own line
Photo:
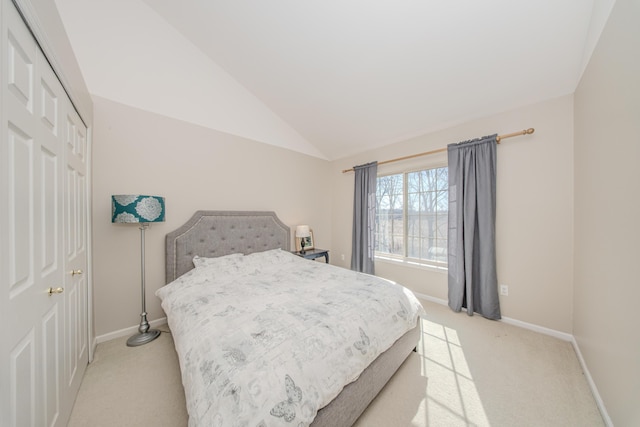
x=468 y=371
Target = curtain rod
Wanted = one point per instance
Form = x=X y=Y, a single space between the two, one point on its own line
x=440 y=150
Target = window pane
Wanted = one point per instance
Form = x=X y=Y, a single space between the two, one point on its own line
x=426 y=214
x=443 y=178
x=442 y=200
x=389 y=214
x=428 y=202
x=398 y=245
x=442 y=227
x=429 y=180
x=412 y=249
x=413 y=183
x=413 y=203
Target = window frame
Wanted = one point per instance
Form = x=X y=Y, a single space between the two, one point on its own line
x=404 y=258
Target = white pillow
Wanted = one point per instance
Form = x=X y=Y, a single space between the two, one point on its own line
x=221 y=262
x=270 y=257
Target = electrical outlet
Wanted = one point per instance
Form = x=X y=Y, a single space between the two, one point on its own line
x=342 y=257
x=504 y=290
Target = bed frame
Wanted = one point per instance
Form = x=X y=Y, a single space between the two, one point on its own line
x=219 y=233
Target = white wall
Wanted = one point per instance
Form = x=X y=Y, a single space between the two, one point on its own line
x=211 y=170
x=534 y=210
x=607 y=207
x=138 y=152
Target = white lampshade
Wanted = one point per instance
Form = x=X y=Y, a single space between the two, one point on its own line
x=303 y=231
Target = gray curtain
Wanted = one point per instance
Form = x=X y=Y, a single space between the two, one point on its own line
x=364 y=218
x=473 y=280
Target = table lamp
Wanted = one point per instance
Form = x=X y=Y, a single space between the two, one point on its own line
x=302 y=231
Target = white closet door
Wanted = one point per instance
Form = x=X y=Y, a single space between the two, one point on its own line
x=75 y=252
x=43 y=307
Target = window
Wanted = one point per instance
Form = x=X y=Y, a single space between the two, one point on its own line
x=411 y=216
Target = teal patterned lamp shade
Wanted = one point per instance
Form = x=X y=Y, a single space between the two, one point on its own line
x=137 y=208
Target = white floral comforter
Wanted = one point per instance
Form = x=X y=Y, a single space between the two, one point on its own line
x=269 y=338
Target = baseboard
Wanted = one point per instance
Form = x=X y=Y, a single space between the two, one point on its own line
x=536 y=328
x=592 y=384
x=127 y=331
x=431 y=299
x=94 y=345
x=556 y=334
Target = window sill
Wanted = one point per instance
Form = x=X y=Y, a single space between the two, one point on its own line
x=412 y=264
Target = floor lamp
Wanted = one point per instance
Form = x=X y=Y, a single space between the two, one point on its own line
x=137 y=209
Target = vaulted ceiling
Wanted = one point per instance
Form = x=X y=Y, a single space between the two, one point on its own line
x=350 y=75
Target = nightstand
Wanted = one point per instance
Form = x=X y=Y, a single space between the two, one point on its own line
x=313 y=254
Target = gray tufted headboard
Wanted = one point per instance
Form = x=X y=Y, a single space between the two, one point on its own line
x=218 y=233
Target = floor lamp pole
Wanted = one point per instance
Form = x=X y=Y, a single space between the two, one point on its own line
x=145 y=334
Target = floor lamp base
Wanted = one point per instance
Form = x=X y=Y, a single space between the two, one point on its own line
x=143 y=338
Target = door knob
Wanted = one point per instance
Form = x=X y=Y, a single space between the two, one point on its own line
x=74 y=272
x=55 y=291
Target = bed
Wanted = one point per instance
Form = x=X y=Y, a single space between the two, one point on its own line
x=254 y=247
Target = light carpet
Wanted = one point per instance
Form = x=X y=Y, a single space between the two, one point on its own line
x=469 y=371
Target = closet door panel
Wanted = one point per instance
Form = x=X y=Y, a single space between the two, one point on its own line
x=20 y=60
x=21 y=233
x=21 y=283
x=33 y=274
x=20 y=57
x=23 y=380
x=52 y=359
x=50 y=167
x=76 y=247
